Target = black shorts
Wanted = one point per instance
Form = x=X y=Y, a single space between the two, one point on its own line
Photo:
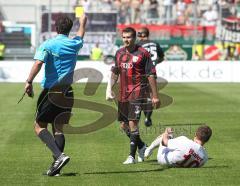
x=129 y=111
x=55 y=106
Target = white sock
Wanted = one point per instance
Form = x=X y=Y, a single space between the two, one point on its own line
x=156 y=142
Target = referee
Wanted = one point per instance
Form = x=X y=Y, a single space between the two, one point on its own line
x=59 y=55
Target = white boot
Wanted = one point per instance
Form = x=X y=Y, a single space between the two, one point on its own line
x=129 y=160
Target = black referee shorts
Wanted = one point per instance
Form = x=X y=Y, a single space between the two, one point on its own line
x=55 y=105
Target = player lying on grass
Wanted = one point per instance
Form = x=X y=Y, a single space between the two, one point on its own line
x=181 y=151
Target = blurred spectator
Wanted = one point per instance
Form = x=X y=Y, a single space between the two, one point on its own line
x=96 y=53
x=210 y=17
x=135 y=5
x=107 y=4
x=153 y=9
x=192 y=13
x=196 y=56
x=237 y=6
x=230 y=52
x=188 y=3
x=237 y=52
x=181 y=12
x=214 y=4
x=86 y=4
x=2 y=50
x=1 y=27
x=168 y=5
x=118 y=6
x=225 y=8
x=126 y=11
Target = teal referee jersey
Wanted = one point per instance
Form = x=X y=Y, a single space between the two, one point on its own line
x=59 y=55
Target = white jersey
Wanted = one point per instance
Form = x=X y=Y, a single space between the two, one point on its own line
x=182 y=152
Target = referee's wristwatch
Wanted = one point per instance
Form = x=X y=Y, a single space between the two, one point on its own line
x=29 y=82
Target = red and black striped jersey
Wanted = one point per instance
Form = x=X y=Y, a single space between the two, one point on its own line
x=133 y=68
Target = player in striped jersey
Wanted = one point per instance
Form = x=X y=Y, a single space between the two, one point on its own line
x=134 y=66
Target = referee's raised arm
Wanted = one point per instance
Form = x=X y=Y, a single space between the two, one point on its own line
x=82 y=27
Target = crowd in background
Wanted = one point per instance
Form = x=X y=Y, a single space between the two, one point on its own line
x=178 y=12
x=159 y=12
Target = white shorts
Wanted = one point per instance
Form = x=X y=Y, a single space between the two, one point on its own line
x=165 y=156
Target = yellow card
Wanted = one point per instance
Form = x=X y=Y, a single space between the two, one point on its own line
x=79 y=11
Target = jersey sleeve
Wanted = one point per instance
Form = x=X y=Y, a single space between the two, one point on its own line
x=205 y=159
x=79 y=42
x=150 y=69
x=115 y=68
x=42 y=53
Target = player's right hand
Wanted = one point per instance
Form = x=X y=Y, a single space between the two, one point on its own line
x=29 y=89
x=110 y=95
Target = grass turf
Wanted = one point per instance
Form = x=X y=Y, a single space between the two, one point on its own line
x=96 y=157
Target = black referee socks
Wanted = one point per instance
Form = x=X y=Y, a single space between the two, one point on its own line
x=60 y=141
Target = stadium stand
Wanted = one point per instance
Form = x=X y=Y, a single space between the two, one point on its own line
x=134 y=12
x=18 y=45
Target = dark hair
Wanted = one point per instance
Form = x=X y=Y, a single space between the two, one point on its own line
x=63 y=25
x=145 y=30
x=204 y=133
x=130 y=30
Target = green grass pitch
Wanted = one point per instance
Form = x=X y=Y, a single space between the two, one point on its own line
x=96 y=157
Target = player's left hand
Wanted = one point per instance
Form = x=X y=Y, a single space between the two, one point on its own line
x=156 y=102
x=169 y=130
